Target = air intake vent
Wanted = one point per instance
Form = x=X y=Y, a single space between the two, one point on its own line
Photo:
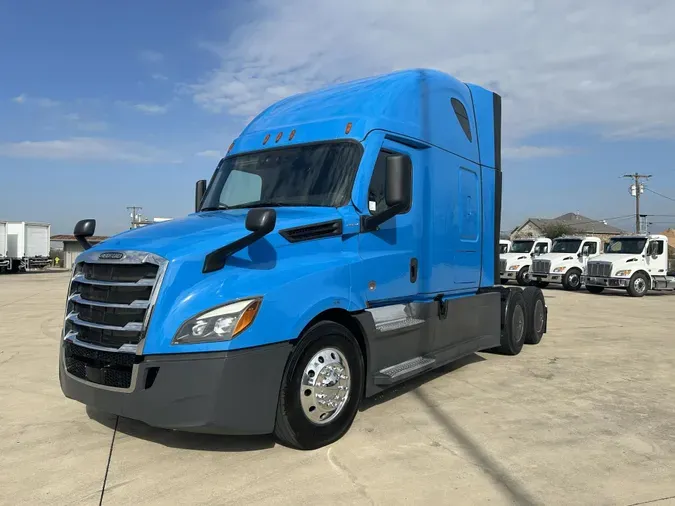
x=311 y=232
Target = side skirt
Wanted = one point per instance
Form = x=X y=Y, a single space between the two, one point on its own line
x=406 y=340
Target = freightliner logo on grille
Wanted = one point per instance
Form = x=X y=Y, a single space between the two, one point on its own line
x=111 y=255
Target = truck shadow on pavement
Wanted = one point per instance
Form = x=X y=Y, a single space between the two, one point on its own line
x=181 y=440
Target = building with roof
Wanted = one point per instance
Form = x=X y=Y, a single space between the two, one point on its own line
x=72 y=248
x=574 y=222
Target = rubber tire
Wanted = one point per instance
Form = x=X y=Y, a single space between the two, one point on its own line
x=595 y=289
x=566 y=280
x=535 y=330
x=541 y=284
x=510 y=344
x=631 y=291
x=292 y=427
x=520 y=277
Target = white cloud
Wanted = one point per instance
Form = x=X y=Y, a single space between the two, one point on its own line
x=159 y=77
x=150 y=56
x=524 y=152
x=39 y=101
x=558 y=64
x=88 y=126
x=86 y=149
x=209 y=153
x=151 y=108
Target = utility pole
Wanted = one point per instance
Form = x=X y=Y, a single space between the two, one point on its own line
x=636 y=190
x=134 y=215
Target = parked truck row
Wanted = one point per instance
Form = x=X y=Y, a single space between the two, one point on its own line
x=24 y=246
x=348 y=241
x=636 y=263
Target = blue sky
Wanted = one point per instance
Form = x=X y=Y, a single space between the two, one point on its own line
x=104 y=105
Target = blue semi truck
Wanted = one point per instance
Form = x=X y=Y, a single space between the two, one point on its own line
x=348 y=241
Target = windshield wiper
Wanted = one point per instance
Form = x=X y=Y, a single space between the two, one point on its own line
x=219 y=207
x=269 y=203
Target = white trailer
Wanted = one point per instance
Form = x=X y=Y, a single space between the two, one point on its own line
x=515 y=265
x=4 y=259
x=565 y=263
x=28 y=245
x=636 y=263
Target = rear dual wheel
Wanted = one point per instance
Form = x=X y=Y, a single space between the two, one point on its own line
x=524 y=320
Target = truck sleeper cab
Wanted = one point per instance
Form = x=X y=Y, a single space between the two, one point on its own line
x=565 y=263
x=515 y=265
x=348 y=241
x=637 y=263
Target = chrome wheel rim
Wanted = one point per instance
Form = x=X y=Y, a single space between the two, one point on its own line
x=639 y=285
x=325 y=386
x=518 y=324
x=538 y=316
x=574 y=280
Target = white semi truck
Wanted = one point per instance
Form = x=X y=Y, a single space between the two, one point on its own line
x=636 y=263
x=4 y=259
x=504 y=246
x=515 y=265
x=565 y=263
x=28 y=245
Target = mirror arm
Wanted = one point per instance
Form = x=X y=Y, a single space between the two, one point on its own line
x=83 y=242
x=370 y=223
x=216 y=259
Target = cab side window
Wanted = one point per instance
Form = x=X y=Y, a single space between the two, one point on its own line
x=659 y=248
x=376 y=190
x=590 y=248
x=541 y=248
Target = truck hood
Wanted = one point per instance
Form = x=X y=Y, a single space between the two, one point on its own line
x=515 y=257
x=618 y=259
x=201 y=233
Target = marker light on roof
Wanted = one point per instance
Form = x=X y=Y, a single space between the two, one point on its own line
x=290 y=137
x=349 y=128
x=267 y=137
x=279 y=136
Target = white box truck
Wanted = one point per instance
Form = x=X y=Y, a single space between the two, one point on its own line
x=28 y=245
x=4 y=259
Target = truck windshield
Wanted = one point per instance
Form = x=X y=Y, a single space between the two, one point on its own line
x=521 y=246
x=566 y=246
x=627 y=245
x=311 y=175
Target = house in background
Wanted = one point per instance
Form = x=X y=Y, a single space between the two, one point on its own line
x=577 y=224
x=72 y=248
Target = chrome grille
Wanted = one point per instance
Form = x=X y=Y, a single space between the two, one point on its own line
x=502 y=266
x=541 y=266
x=110 y=301
x=599 y=269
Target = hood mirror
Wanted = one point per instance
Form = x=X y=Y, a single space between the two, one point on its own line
x=84 y=229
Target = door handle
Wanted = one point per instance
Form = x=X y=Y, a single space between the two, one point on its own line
x=413 y=270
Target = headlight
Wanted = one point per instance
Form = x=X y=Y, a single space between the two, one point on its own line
x=220 y=324
x=623 y=273
x=559 y=269
x=514 y=267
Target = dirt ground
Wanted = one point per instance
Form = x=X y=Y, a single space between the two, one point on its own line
x=585 y=417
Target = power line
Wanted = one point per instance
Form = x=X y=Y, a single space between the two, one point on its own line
x=659 y=194
x=638 y=189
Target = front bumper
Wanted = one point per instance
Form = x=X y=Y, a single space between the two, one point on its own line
x=508 y=274
x=607 y=282
x=546 y=278
x=234 y=392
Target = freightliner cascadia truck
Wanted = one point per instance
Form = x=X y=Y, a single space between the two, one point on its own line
x=348 y=241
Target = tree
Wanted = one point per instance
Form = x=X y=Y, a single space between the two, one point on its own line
x=556 y=229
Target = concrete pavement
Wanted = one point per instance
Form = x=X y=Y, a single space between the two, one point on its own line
x=586 y=417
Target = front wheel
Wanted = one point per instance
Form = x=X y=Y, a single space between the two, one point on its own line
x=321 y=389
x=523 y=276
x=572 y=280
x=639 y=283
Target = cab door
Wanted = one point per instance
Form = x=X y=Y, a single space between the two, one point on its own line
x=390 y=255
x=588 y=249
